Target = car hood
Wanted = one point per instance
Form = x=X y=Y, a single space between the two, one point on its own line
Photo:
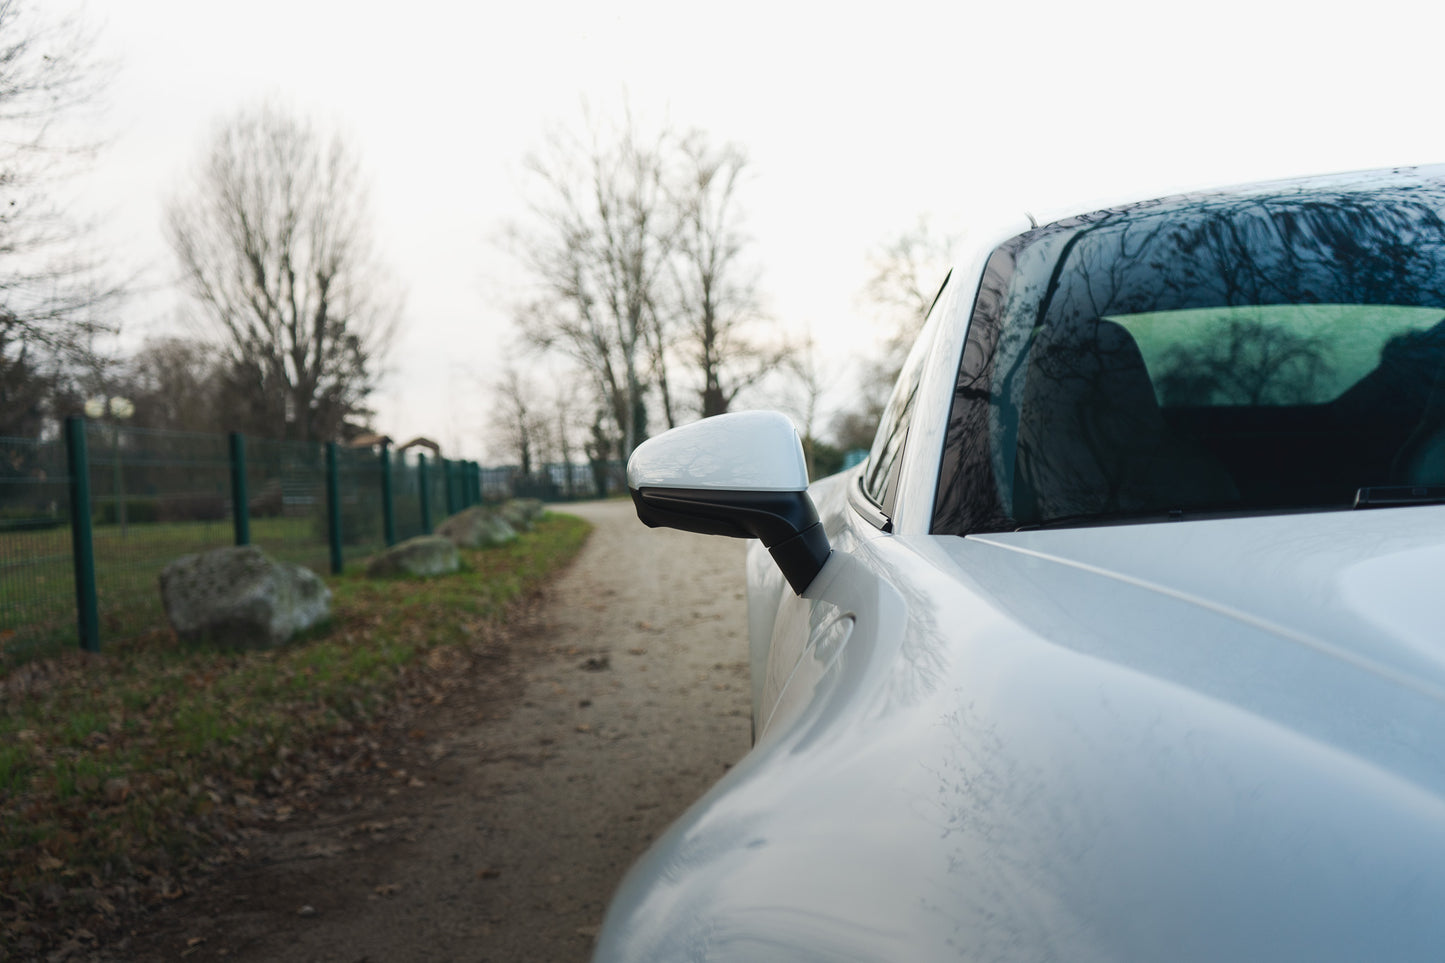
x=1190 y=741
x=1360 y=587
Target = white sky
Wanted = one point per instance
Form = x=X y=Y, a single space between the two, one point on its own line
x=855 y=123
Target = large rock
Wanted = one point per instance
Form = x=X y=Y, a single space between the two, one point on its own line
x=520 y=513
x=241 y=598
x=476 y=527
x=423 y=555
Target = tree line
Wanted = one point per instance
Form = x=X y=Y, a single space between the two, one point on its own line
x=641 y=278
x=291 y=309
x=641 y=308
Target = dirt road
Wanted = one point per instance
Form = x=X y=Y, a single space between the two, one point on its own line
x=503 y=839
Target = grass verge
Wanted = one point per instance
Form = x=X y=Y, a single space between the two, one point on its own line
x=122 y=773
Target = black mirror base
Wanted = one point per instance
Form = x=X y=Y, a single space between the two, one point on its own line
x=802 y=557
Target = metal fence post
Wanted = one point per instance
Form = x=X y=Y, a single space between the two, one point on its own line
x=333 y=508
x=240 y=501
x=474 y=487
x=447 y=486
x=388 y=510
x=421 y=481
x=87 y=607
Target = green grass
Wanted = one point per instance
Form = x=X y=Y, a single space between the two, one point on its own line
x=118 y=770
x=37 y=588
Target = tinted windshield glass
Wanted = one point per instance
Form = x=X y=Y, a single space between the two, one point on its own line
x=1267 y=349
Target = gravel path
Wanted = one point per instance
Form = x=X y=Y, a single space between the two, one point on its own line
x=503 y=839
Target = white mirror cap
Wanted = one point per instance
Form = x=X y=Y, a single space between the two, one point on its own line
x=742 y=451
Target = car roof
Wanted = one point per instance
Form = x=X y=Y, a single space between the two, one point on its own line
x=1344 y=182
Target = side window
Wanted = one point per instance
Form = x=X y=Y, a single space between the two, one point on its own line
x=883 y=463
x=880 y=478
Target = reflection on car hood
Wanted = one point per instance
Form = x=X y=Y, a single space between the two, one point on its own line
x=1191 y=741
x=1361 y=587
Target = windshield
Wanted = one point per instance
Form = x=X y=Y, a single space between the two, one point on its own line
x=1269 y=349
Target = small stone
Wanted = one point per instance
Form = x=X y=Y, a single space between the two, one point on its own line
x=306 y=911
x=117 y=789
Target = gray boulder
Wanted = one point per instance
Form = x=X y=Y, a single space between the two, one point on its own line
x=520 y=513
x=241 y=598
x=476 y=527
x=532 y=508
x=423 y=555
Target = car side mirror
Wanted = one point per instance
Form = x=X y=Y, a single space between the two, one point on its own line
x=741 y=475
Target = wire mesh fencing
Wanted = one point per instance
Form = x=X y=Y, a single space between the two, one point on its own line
x=150 y=497
x=362 y=513
x=155 y=496
x=37 y=584
x=286 y=500
x=408 y=480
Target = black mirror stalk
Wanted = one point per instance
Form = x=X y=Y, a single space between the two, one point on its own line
x=786 y=523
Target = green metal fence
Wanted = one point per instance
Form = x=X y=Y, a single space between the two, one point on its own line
x=286 y=500
x=89 y=520
x=419 y=492
x=37 y=583
x=155 y=496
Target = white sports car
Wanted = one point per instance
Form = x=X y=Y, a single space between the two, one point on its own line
x=1127 y=642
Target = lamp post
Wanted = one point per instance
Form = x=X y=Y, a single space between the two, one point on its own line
x=119 y=410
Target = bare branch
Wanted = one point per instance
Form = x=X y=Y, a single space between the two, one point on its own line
x=54 y=299
x=597 y=256
x=273 y=242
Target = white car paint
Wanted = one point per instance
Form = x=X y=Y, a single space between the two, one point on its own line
x=744 y=450
x=1049 y=730
x=1217 y=739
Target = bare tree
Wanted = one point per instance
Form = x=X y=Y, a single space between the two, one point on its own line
x=520 y=424
x=175 y=383
x=716 y=296
x=598 y=257
x=567 y=414
x=802 y=363
x=273 y=240
x=53 y=295
x=906 y=273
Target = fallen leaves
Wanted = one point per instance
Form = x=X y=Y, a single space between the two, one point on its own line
x=123 y=774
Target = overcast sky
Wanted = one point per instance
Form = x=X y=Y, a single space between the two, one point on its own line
x=856 y=121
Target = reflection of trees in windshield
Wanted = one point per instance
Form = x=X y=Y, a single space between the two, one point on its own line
x=1243 y=363
x=1016 y=445
x=1381 y=247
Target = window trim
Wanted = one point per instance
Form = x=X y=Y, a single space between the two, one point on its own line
x=864 y=505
